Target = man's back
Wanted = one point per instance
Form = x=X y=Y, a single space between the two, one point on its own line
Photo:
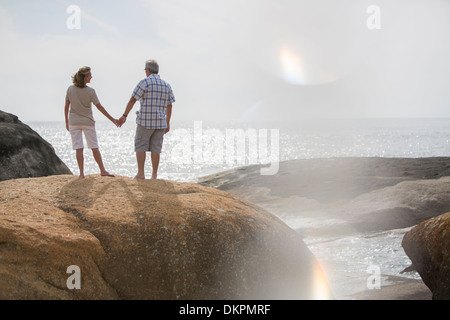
x=154 y=95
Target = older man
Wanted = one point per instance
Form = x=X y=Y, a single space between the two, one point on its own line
x=153 y=118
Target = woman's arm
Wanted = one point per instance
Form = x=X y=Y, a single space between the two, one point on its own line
x=66 y=114
x=103 y=110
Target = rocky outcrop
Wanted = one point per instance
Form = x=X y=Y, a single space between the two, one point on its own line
x=24 y=153
x=146 y=240
x=404 y=205
x=333 y=203
x=357 y=194
x=428 y=247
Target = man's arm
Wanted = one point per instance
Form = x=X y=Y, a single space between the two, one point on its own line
x=130 y=106
x=168 y=116
x=66 y=114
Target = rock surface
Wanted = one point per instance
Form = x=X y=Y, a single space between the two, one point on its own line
x=357 y=194
x=146 y=240
x=428 y=247
x=349 y=201
x=23 y=153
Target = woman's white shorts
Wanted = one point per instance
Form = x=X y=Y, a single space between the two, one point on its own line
x=90 y=134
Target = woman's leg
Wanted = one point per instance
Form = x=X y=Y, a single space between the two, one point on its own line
x=77 y=144
x=92 y=142
x=98 y=159
x=80 y=161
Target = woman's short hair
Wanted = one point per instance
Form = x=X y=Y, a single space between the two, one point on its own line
x=79 y=78
x=152 y=66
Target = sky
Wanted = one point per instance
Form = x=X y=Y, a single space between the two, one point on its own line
x=237 y=60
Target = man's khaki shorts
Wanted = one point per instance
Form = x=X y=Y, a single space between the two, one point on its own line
x=76 y=132
x=148 y=139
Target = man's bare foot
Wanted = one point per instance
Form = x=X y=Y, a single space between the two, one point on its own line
x=106 y=174
x=81 y=176
x=139 y=177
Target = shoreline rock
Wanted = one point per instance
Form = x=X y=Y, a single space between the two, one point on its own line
x=24 y=153
x=345 y=197
x=357 y=194
x=428 y=246
x=146 y=240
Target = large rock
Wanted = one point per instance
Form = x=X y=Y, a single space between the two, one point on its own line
x=428 y=247
x=146 y=240
x=24 y=153
x=355 y=194
x=394 y=207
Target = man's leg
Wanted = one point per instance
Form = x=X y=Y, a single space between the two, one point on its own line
x=80 y=161
x=155 y=164
x=140 y=157
x=156 y=147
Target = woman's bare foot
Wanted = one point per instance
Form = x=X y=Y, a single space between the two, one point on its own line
x=139 y=177
x=106 y=174
x=81 y=176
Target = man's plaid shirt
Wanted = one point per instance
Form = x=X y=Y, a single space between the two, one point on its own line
x=155 y=95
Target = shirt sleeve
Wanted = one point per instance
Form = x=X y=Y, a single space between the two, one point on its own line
x=94 y=98
x=138 y=92
x=67 y=94
x=171 y=95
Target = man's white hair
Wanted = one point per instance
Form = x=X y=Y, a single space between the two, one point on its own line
x=152 y=66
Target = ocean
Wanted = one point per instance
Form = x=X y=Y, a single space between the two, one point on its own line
x=199 y=148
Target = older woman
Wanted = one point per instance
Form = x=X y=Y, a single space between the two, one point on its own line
x=79 y=118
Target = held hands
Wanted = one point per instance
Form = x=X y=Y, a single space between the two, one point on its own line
x=116 y=122
x=121 y=121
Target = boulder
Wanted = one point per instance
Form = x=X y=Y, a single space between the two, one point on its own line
x=401 y=206
x=428 y=247
x=24 y=153
x=118 y=238
x=354 y=194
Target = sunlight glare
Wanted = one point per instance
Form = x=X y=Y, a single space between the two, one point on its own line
x=293 y=71
x=321 y=290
